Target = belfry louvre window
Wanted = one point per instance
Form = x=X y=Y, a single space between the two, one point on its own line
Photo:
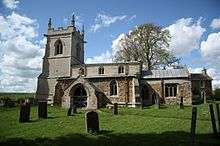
x=58 y=47
x=170 y=90
x=113 y=88
x=101 y=70
x=78 y=50
x=121 y=69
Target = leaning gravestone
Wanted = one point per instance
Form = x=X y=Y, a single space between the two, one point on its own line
x=92 y=122
x=24 y=111
x=115 y=109
x=42 y=109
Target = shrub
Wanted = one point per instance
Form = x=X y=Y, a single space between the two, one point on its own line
x=8 y=102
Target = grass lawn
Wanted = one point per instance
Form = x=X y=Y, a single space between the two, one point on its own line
x=166 y=126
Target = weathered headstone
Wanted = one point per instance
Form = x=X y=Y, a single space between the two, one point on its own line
x=92 y=122
x=69 y=111
x=212 y=114
x=181 y=103
x=42 y=109
x=115 y=109
x=193 y=125
x=24 y=111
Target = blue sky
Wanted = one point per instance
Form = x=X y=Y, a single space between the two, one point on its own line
x=194 y=25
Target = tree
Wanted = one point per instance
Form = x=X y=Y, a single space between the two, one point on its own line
x=148 y=44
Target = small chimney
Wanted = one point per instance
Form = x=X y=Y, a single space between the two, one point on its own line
x=204 y=71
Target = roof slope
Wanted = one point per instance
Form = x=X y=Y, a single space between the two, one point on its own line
x=196 y=76
x=168 y=73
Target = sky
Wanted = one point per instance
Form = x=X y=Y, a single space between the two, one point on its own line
x=193 y=25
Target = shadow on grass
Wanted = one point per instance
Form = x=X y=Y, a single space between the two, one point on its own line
x=107 y=138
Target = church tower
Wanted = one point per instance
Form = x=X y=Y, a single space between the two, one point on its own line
x=64 y=49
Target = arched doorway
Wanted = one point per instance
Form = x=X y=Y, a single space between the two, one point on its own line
x=145 y=94
x=78 y=96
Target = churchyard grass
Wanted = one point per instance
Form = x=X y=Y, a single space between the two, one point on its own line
x=166 y=126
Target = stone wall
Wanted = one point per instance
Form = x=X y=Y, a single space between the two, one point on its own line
x=157 y=87
x=125 y=89
x=197 y=89
x=110 y=69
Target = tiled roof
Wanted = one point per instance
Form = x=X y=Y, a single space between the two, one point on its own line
x=201 y=76
x=168 y=73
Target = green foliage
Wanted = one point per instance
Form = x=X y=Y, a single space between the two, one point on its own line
x=13 y=99
x=8 y=102
x=15 y=96
x=168 y=126
x=148 y=44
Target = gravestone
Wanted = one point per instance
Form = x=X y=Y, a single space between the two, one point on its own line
x=92 y=122
x=193 y=125
x=42 y=109
x=115 y=109
x=24 y=111
x=181 y=103
x=69 y=111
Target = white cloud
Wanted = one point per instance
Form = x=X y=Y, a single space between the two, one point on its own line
x=186 y=35
x=210 y=49
x=103 y=58
x=210 y=52
x=215 y=23
x=20 y=56
x=107 y=56
x=103 y=20
x=11 y=4
x=116 y=43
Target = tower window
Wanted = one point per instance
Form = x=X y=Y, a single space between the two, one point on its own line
x=113 y=88
x=58 y=47
x=121 y=69
x=101 y=70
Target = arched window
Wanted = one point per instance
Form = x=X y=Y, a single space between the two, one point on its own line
x=113 y=88
x=170 y=90
x=58 y=47
x=101 y=70
x=121 y=69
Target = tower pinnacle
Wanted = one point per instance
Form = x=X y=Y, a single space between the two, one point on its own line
x=49 y=23
x=73 y=20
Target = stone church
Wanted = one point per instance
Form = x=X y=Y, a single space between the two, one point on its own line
x=67 y=80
